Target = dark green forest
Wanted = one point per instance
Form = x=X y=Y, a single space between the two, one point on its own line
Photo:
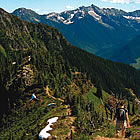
x=33 y=56
x=129 y=53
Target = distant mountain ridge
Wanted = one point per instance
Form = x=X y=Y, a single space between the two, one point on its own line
x=69 y=17
x=100 y=31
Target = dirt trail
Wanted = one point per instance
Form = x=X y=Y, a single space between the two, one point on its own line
x=68 y=112
x=47 y=90
x=105 y=138
x=71 y=119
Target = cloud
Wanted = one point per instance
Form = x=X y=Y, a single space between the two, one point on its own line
x=122 y=1
x=137 y=1
x=37 y=10
x=69 y=7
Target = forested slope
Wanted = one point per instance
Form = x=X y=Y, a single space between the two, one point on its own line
x=52 y=56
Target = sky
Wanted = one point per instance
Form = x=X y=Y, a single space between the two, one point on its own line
x=48 y=6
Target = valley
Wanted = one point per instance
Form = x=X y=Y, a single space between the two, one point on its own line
x=100 y=31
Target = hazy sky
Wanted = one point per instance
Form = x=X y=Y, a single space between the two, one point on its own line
x=47 y=6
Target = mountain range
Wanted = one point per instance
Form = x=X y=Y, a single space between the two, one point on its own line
x=101 y=31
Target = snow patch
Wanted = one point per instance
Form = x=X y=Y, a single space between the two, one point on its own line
x=72 y=15
x=68 y=22
x=13 y=63
x=50 y=15
x=83 y=13
x=43 y=134
x=131 y=17
x=75 y=12
x=60 y=18
x=36 y=20
x=96 y=16
x=80 y=17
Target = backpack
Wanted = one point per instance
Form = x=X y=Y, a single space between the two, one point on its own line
x=121 y=114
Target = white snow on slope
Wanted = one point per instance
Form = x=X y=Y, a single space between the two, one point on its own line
x=131 y=17
x=72 y=15
x=80 y=17
x=36 y=19
x=53 y=17
x=60 y=18
x=75 y=12
x=50 y=15
x=44 y=132
x=68 y=21
x=96 y=16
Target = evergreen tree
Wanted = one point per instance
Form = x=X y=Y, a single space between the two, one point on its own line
x=102 y=117
x=99 y=92
x=133 y=109
x=128 y=107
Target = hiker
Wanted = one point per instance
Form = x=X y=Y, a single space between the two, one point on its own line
x=122 y=121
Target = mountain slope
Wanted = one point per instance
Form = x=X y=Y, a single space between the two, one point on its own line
x=22 y=39
x=130 y=52
x=35 y=58
x=96 y=30
x=27 y=14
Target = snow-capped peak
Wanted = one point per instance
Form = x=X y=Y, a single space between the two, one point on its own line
x=96 y=16
x=67 y=17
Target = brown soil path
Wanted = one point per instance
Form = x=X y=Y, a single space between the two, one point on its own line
x=68 y=112
x=47 y=90
x=71 y=119
x=105 y=138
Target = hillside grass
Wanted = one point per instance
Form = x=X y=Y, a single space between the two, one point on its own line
x=91 y=97
x=27 y=122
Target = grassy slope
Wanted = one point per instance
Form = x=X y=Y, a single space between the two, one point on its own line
x=90 y=97
x=28 y=121
x=32 y=118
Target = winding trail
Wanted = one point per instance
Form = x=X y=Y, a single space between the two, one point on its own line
x=68 y=113
x=72 y=119
x=105 y=138
x=47 y=91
